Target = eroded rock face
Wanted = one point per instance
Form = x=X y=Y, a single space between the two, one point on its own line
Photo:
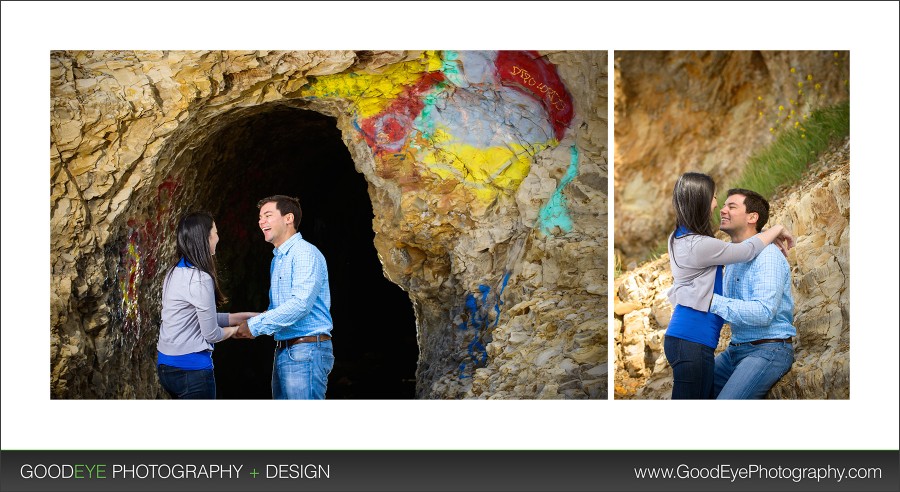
x=705 y=112
x=487 y=176
x=817 y=211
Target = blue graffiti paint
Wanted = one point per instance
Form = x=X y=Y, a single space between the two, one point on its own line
x=478 y=309
x=556 y=213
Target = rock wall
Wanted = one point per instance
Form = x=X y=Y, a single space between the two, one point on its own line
x=817 y=211
x=703 y=111
x=487 y=174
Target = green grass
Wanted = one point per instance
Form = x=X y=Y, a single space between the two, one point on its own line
x=784 y=161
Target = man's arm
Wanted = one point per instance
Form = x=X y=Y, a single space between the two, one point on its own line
x=770 y=275
x=308 y=275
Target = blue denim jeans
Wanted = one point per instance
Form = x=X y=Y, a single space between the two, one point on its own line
x=747 y=372
x=692 y=368
x=182 y=384
x=301 y=371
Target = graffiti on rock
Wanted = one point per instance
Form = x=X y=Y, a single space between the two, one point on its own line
x=476 y=117
x=138 y=264
x=478 y=324
x=554 y=215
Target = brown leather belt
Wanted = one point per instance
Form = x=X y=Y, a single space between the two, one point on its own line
x=280 y=344
x=764 y=340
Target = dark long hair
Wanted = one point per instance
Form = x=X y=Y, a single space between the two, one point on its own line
x=691 y=199
x=193 y=245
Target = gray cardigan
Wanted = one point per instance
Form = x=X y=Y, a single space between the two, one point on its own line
x=694 y=258
x=190 y=322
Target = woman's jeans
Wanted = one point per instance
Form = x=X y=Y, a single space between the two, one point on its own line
x=301 y=371
x=693 y=368
x=185 y=384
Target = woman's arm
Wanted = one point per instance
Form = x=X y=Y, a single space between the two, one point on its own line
x=201 y=294
x=709 y=251
x=229 y=332
x=238 y=318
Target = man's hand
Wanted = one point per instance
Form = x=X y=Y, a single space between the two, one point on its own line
x=243 y=331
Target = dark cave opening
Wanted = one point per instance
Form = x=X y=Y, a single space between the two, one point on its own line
x=285 y=150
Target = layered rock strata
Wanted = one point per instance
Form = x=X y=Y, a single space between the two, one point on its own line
x=486 y=171
x=705 y=111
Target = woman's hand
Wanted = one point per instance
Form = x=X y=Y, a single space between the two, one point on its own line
x=229 y=331
x=785 y=240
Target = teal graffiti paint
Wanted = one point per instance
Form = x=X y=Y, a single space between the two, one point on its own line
x=556 y=213
x=450 y=68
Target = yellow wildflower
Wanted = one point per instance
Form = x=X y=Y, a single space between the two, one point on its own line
x=796 y=124
x=800 y=92
x=836 y=54
x=803 y=136
x=809 y=77
x=780 y=107
x=800 y=84
x=793 y=70
x=760 y=114
x=771 y=130
x=759 y=98
x=818 y=86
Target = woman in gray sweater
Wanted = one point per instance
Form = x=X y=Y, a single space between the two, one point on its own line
x=190 y=323
x=696 y=258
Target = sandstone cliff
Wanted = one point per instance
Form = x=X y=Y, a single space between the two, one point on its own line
x=487 y=173
x=703 y=111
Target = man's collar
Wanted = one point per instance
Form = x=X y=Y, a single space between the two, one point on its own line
x=286 y=246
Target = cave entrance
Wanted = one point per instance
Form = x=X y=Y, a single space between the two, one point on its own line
x=297 y=152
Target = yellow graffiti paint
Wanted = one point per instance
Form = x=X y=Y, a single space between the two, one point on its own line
x=487 y=171
x=371 y=93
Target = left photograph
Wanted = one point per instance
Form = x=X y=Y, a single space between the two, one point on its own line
x=328 y=224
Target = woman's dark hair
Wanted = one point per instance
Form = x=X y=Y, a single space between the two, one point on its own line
x=691 y=199
x=192 y=243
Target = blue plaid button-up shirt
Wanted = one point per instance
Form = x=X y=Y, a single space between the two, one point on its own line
x=299 y=297
x=757 y=301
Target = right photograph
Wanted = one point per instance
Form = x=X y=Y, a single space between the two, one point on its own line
x=732 y=225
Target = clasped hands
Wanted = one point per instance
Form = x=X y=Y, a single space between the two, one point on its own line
x=240 y=329
x=243 y=331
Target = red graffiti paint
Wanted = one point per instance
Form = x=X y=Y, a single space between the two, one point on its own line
x=529 y=73
x=387 y=131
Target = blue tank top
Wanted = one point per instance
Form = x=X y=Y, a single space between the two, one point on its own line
x=697 y=326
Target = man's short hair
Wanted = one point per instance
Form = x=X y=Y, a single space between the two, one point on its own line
x=754 y=202
x=285 y=205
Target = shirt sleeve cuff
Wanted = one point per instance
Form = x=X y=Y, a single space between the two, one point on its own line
x=222 y=319
x=717 y=301
x=253 y=326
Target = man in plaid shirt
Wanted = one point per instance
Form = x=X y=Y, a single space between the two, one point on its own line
x=299 y=316
x=757 y=303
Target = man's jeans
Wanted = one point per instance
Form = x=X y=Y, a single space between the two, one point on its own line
x=747 y=372
x=301 y=371
x=692 y=368
x=183 y=384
